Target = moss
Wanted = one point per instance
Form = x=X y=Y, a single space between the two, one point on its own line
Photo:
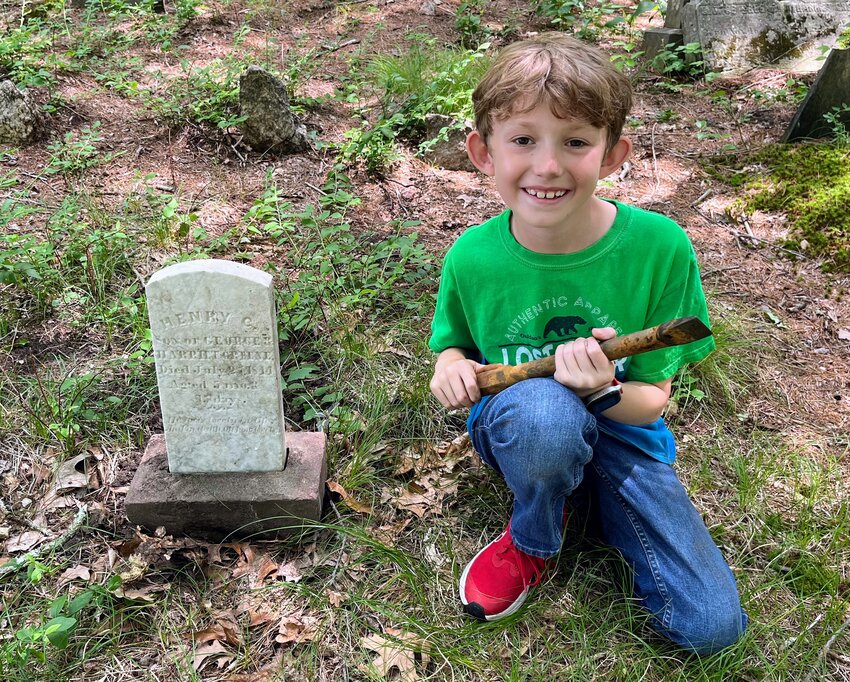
x=809 y=183
x=770 y=46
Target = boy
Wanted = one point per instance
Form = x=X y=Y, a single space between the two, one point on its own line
x=558 y=265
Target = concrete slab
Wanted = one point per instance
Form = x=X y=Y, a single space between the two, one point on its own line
x=229 y=505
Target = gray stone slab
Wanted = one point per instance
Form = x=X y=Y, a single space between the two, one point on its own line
x=218 y=506
x=217 y=367
x=831 y=89
x=657 y=39
x=739 y=34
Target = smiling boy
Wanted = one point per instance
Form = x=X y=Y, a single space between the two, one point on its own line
x=560 y=270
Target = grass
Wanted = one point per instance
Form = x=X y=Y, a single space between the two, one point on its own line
x=354 y=306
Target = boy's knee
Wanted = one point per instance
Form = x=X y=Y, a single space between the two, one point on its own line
x=708 y=627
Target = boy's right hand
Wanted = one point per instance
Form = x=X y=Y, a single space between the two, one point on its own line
x=455 y=382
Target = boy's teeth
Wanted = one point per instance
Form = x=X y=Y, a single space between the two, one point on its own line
x=546 y=195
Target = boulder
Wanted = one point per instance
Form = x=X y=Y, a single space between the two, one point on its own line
x=20 y=121
x=451 y=153
x=270 y=125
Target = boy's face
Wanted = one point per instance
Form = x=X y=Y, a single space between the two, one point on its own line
x=546 y=168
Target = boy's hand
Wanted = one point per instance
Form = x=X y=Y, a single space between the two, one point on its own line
x=582 y=365
x=454 y=382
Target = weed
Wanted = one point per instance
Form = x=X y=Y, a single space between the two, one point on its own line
x=77 y=152
x=682 y=60
x=585 y=18
x=205 y=96
x=468 y=23
x=424 y=80
x=837 y=119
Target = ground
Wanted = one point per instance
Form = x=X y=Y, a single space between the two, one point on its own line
x=310 y=611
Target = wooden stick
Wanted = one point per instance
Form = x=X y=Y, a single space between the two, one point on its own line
x=673 y=333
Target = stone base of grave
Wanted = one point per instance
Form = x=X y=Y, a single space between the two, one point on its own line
x=230 y=505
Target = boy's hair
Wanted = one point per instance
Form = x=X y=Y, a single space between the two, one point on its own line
x=575 y=79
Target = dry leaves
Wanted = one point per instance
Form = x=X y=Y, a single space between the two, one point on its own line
x=398 y=653
x=348 y=500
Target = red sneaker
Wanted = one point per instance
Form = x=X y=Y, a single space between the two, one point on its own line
x=496 y=582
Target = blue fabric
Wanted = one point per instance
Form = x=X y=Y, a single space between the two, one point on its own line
x=550 y=450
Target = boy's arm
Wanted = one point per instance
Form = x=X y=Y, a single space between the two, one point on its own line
x=454 y=382
x=582 y=366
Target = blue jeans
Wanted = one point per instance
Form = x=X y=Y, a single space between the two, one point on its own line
x=538 y=435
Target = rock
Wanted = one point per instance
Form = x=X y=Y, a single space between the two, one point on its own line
x=829 y=91
x=20 y=121
x=657 y=39
x=739 y=34
x=449 y=154
x=270 y=125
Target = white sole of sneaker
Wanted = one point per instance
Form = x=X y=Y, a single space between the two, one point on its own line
x=470 y=607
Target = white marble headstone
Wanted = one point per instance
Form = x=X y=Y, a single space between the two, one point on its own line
x=217 y=367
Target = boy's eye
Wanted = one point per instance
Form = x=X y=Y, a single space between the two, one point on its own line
x=522 y=141
x=576 y=143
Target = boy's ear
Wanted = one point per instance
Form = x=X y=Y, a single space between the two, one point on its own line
x=476 y=150
x=616 y=157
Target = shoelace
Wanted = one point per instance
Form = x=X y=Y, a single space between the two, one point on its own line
x=531 y=568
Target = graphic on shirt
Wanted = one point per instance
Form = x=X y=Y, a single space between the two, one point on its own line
x=562 y=326
x=529 y=338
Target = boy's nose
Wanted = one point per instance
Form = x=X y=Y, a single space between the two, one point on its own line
x=548 y=164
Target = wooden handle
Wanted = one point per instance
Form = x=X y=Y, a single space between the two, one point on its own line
x=673 y=333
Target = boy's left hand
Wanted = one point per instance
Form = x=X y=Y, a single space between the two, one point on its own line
x=582 y=365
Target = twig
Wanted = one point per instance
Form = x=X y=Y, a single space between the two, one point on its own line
x=330 y=48
x=19 y=562
x=342 y=547
x=826 y=647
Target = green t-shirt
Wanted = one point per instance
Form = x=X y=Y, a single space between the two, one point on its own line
x=511 y=305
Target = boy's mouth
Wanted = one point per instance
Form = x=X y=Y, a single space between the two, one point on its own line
x=545 y=193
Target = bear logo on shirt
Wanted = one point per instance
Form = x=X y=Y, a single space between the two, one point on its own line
x=563 y=326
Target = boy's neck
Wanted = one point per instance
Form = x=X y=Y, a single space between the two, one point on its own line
x=578 y=234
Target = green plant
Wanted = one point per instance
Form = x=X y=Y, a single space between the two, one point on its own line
x=77 y=152
x=206 y=96
x=585 y=18
x=468 y=23
x=682 y=60
x=422 y=81
x=837 y=119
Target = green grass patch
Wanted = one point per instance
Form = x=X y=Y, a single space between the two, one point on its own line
x=809 y=183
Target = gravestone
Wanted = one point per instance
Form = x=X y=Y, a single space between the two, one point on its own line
x=831 y=90
x=225 y=463
x=739 y=34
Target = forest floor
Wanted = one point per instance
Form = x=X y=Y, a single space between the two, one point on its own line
x=764 y=432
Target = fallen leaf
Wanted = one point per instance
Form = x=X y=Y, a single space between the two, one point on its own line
x=348 y=500
x=335 y=598
x=295 y=630
x=262 y=568
x=76 y=573
x=844 y=334
x=290 y=572
x=202 y=653
x=147 y=593
x=70 y=475
x=24 y=542
x=260 y=618
x=397 y=654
